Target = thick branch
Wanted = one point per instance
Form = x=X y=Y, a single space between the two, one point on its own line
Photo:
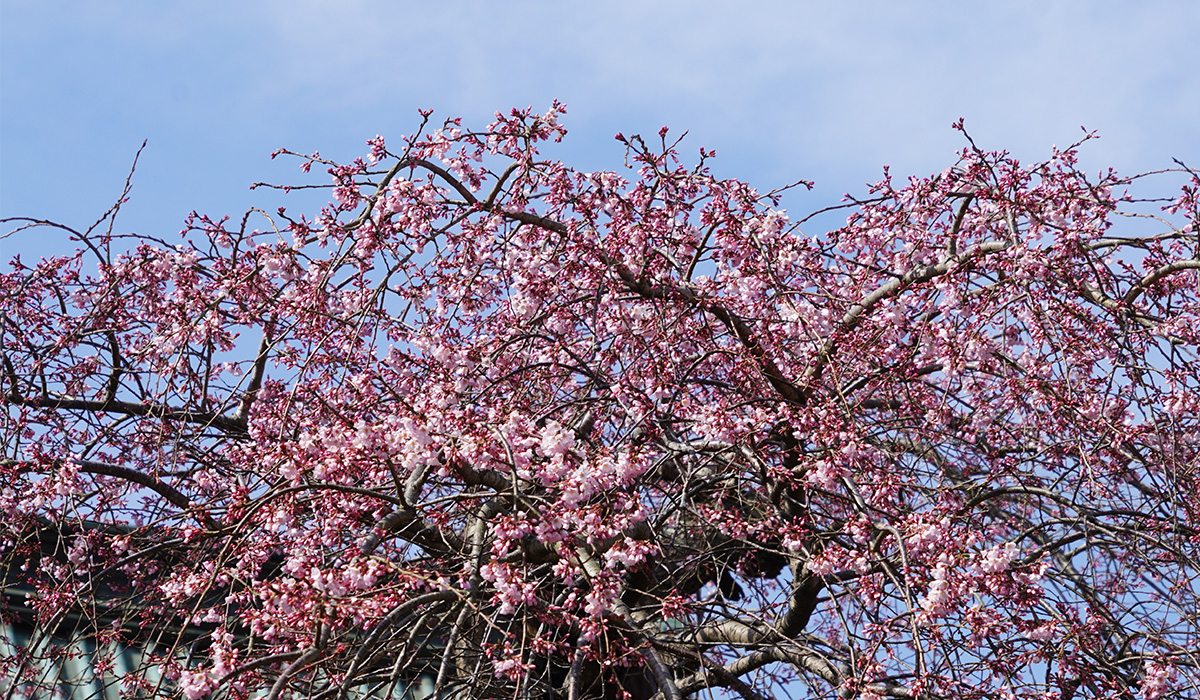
x=231 y=425
x=1168 y=269
x=168 y=492
x=733 y=322
x=923 y=274
x=407 y=525
x=256 y=379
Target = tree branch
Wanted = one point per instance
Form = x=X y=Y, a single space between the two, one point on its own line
x=231 y=425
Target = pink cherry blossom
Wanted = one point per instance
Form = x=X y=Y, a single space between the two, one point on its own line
x=523 y=430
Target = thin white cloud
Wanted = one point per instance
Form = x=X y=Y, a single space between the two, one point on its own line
x=852 y=80
x=830 y=91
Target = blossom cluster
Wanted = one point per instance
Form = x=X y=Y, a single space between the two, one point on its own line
x=485 y=411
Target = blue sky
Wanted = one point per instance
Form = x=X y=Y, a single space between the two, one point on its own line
x=783 y=90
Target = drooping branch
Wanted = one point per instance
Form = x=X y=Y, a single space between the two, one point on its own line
x=232 y=426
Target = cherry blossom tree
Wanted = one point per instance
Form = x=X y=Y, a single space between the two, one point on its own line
x=529 y=432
